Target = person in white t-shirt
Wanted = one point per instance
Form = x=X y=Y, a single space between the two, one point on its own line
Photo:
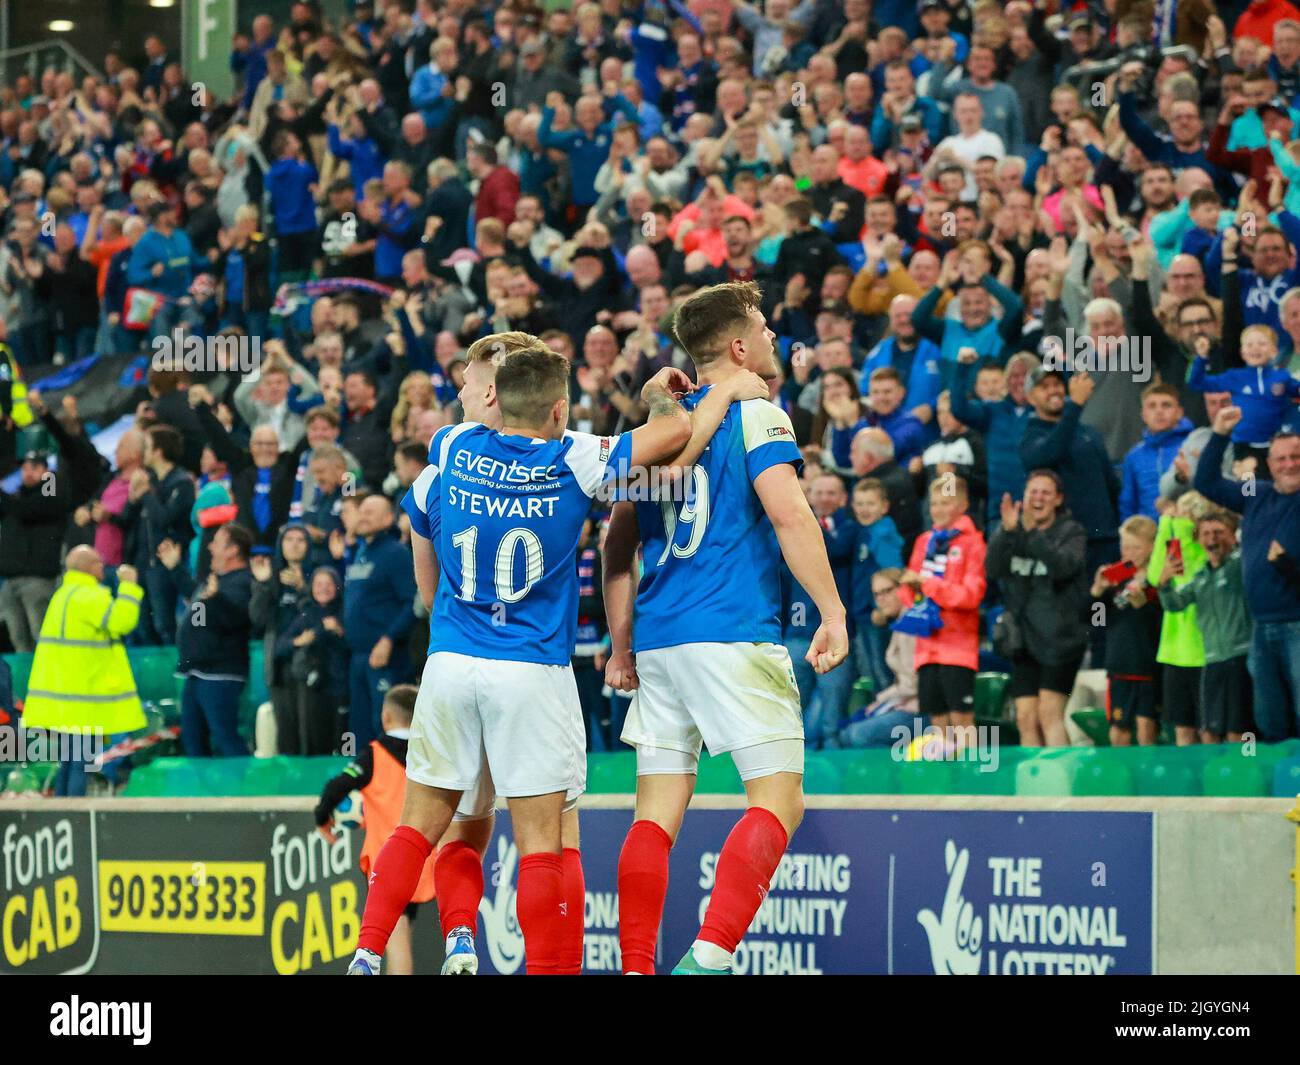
x=970 y=142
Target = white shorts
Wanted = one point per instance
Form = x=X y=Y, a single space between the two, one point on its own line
x=724 y=696
x=484 y=726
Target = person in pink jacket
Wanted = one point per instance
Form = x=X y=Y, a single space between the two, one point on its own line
x=947 y=567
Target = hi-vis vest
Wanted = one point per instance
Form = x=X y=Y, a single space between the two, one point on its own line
x=382 y=809
x=81 y=679
x=20 y=411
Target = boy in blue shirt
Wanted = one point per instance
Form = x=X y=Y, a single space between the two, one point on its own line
x=869 y=541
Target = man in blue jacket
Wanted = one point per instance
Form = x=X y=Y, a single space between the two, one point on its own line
x=378 y=611
x=163 y=261
x=1270 y=553
x=588 y=145
x=1166 y=432
x=1002 y=422
x=1056 y=440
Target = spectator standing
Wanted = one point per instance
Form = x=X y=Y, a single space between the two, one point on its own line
x=213 y=643
x=1220 y=598
x=1270 y=551
x=1038 y=557
x=947 y=567
x=279 y=584
x=32 y=521
x=159 y=497
x=81 y=688
x=378 y=611
x=1134 y=619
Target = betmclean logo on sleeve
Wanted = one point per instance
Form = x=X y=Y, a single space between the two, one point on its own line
x=778 y=431
x=77 y=1018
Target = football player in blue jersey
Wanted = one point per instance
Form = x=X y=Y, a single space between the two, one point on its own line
x=491 y=494
x=707 y=663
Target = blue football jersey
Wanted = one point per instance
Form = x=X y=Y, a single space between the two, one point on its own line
x=505 y=515
x=711 y=561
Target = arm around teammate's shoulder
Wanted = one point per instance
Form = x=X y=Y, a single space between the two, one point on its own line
x=668 y=428
x=709 y=414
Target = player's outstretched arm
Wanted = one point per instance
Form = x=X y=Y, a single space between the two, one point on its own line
x=619 y=570
x=708 y=415
x=668 y=428
x=425 y=559
x=804 y=550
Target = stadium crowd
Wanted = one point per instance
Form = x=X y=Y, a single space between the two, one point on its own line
x=1033 y=272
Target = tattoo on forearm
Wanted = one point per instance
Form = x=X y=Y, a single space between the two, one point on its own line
x=663 y=403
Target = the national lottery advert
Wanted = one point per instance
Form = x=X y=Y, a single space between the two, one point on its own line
x=869 y=891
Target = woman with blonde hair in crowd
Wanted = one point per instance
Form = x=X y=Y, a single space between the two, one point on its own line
x=414 y=395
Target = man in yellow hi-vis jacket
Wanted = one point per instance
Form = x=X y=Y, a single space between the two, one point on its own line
x=81 y=687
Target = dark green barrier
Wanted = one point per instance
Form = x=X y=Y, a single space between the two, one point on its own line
x=1071 y=771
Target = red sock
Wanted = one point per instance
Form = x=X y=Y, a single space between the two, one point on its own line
x=393 y=879
x=642 y=888
x=539 y=905
x=745 y=867
x=575 y=912
x=458 y=878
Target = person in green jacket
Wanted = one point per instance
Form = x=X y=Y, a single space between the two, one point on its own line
x=81 y=687
x=1219 y=595
x=1182 y=652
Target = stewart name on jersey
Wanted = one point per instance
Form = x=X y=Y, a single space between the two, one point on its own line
x=711 y=561
x=505 y=515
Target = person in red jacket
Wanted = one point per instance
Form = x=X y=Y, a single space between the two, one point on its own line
x=498 y=186
x=947 y=567
x=1261 y=16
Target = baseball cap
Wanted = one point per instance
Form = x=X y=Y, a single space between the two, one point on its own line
x=1039 y=373
x=39 y=457
x=587 y=253
x=910 y=123
x=928 y=5
x=1080 y=21
x=532 y=48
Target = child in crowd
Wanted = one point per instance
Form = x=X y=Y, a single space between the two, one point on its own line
x=959 y=450
x=1182 y=651
x=1220 y=598
x=869 y=541
x=1132 y=636
x=1264 y=392
x=316 y=654
x=1204 y=207
x=1166 y=432
x=947 y=567
x=896 y=704
x=379 y=773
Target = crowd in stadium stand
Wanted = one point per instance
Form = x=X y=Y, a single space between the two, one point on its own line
x=1032 y=269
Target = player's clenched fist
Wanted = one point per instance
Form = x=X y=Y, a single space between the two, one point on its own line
x=620 y=671
x=830 y=646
